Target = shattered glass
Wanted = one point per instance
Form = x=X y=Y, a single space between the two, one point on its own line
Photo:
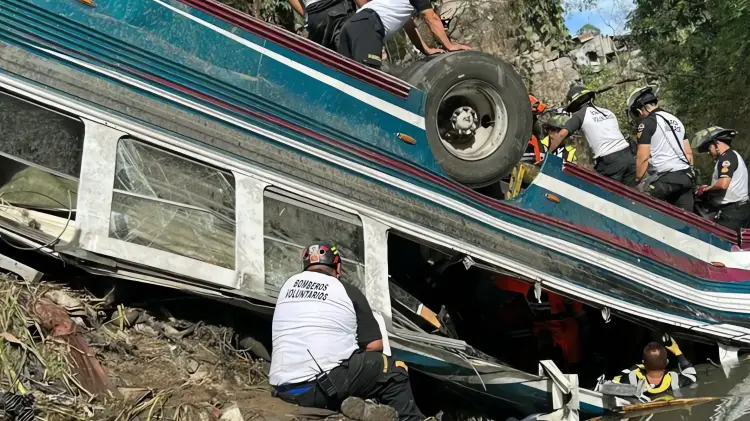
x=171 y=203
x=288 y=228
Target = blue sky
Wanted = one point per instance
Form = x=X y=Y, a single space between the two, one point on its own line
x=607 y=15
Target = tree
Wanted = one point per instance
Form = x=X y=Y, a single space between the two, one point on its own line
x=699 y=53
x=589 y=29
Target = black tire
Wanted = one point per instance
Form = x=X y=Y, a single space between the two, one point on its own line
x=437 y=75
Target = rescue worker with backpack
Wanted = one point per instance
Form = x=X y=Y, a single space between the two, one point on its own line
x=535 y=151
x=653 y=370
x=662 y=142
x=728 y=191
x=612 y=155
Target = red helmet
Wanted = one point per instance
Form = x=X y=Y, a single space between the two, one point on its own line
x=321 y=254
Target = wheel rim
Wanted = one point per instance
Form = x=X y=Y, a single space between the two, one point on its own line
x=472 y=120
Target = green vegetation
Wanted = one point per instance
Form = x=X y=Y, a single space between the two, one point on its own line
x=698 y=51
x=589 y=29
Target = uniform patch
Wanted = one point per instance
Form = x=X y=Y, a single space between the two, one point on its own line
x=374 y=57
x=724 y=170
x=640 y=130
x=726 y=164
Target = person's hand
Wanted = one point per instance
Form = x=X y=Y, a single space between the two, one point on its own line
x=701 y=190
x=458 y=47
x=433 y=51
x=671 y=345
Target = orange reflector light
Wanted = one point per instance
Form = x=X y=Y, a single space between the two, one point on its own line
x=718 y=264
x=87 y=2
x=552 y=197
x=406 y=138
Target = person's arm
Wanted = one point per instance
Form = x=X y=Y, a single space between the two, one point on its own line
x=425 y=10
x=687 y=374
x=646 y=131
x=574 y=124
x=688 y=151
x=369 y=337
x=416 y=39
x=361 y=3
x=297 y=6
x=726 y=166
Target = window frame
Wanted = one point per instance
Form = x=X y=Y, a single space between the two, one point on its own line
x=95 y=196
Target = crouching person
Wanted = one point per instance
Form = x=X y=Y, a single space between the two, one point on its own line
x=327 y=346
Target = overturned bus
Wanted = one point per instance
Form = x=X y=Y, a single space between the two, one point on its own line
x=185 y=144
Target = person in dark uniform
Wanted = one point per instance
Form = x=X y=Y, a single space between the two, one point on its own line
x=363 y=35
x=653 y=370
x=612 y=155
x=327 y=346
x=662 y=142
x=325 y=18
x=728 y=190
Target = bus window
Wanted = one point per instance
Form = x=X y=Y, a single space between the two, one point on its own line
x=172 y=203
x=40 y=156
x=290 y=224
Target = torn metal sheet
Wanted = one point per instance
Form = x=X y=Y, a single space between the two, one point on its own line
x=28 y=274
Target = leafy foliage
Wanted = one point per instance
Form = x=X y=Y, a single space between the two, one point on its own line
x=545 y=19
x=698 y=51
x=589 y=29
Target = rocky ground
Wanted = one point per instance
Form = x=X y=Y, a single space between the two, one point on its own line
x=86 y=357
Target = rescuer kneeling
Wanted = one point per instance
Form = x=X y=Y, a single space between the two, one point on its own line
x=654 y=369
x=327 y=346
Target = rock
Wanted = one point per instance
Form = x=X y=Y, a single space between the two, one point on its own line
x=231 y=413
x=147 y=330
x=192 y=365
x=549 y=66
x=537 y=55
x=563 y=63
x=538 y=68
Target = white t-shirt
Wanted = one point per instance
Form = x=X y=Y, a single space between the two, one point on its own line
x=731 y=165
x=318 y=313
x=667 y=144
x=600 y=128
x=395 y=13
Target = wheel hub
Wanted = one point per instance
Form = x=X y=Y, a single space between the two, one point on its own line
x=465 y=121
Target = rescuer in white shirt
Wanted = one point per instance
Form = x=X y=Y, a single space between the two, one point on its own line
x=612 y=155
x=663 y=143
x=728 y=190
x=363 y=35
x=323 y=325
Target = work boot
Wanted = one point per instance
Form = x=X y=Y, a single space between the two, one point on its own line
x=360 y=410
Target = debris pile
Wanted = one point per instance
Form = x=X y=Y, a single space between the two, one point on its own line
x=65 y=354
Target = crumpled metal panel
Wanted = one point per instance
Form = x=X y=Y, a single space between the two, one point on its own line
x=168 y=202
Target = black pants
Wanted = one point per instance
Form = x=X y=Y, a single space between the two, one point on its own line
x=619 y=166
x=362 y=38
x=734 y=216
x=325 y=20
x=675 y=188
x=366 y=375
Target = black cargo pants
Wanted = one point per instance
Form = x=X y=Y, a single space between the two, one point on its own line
x=675 y=188
x=734 y=216
x=366 y=375
x=362 y=38
x=619 y=166
x=325 y=20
